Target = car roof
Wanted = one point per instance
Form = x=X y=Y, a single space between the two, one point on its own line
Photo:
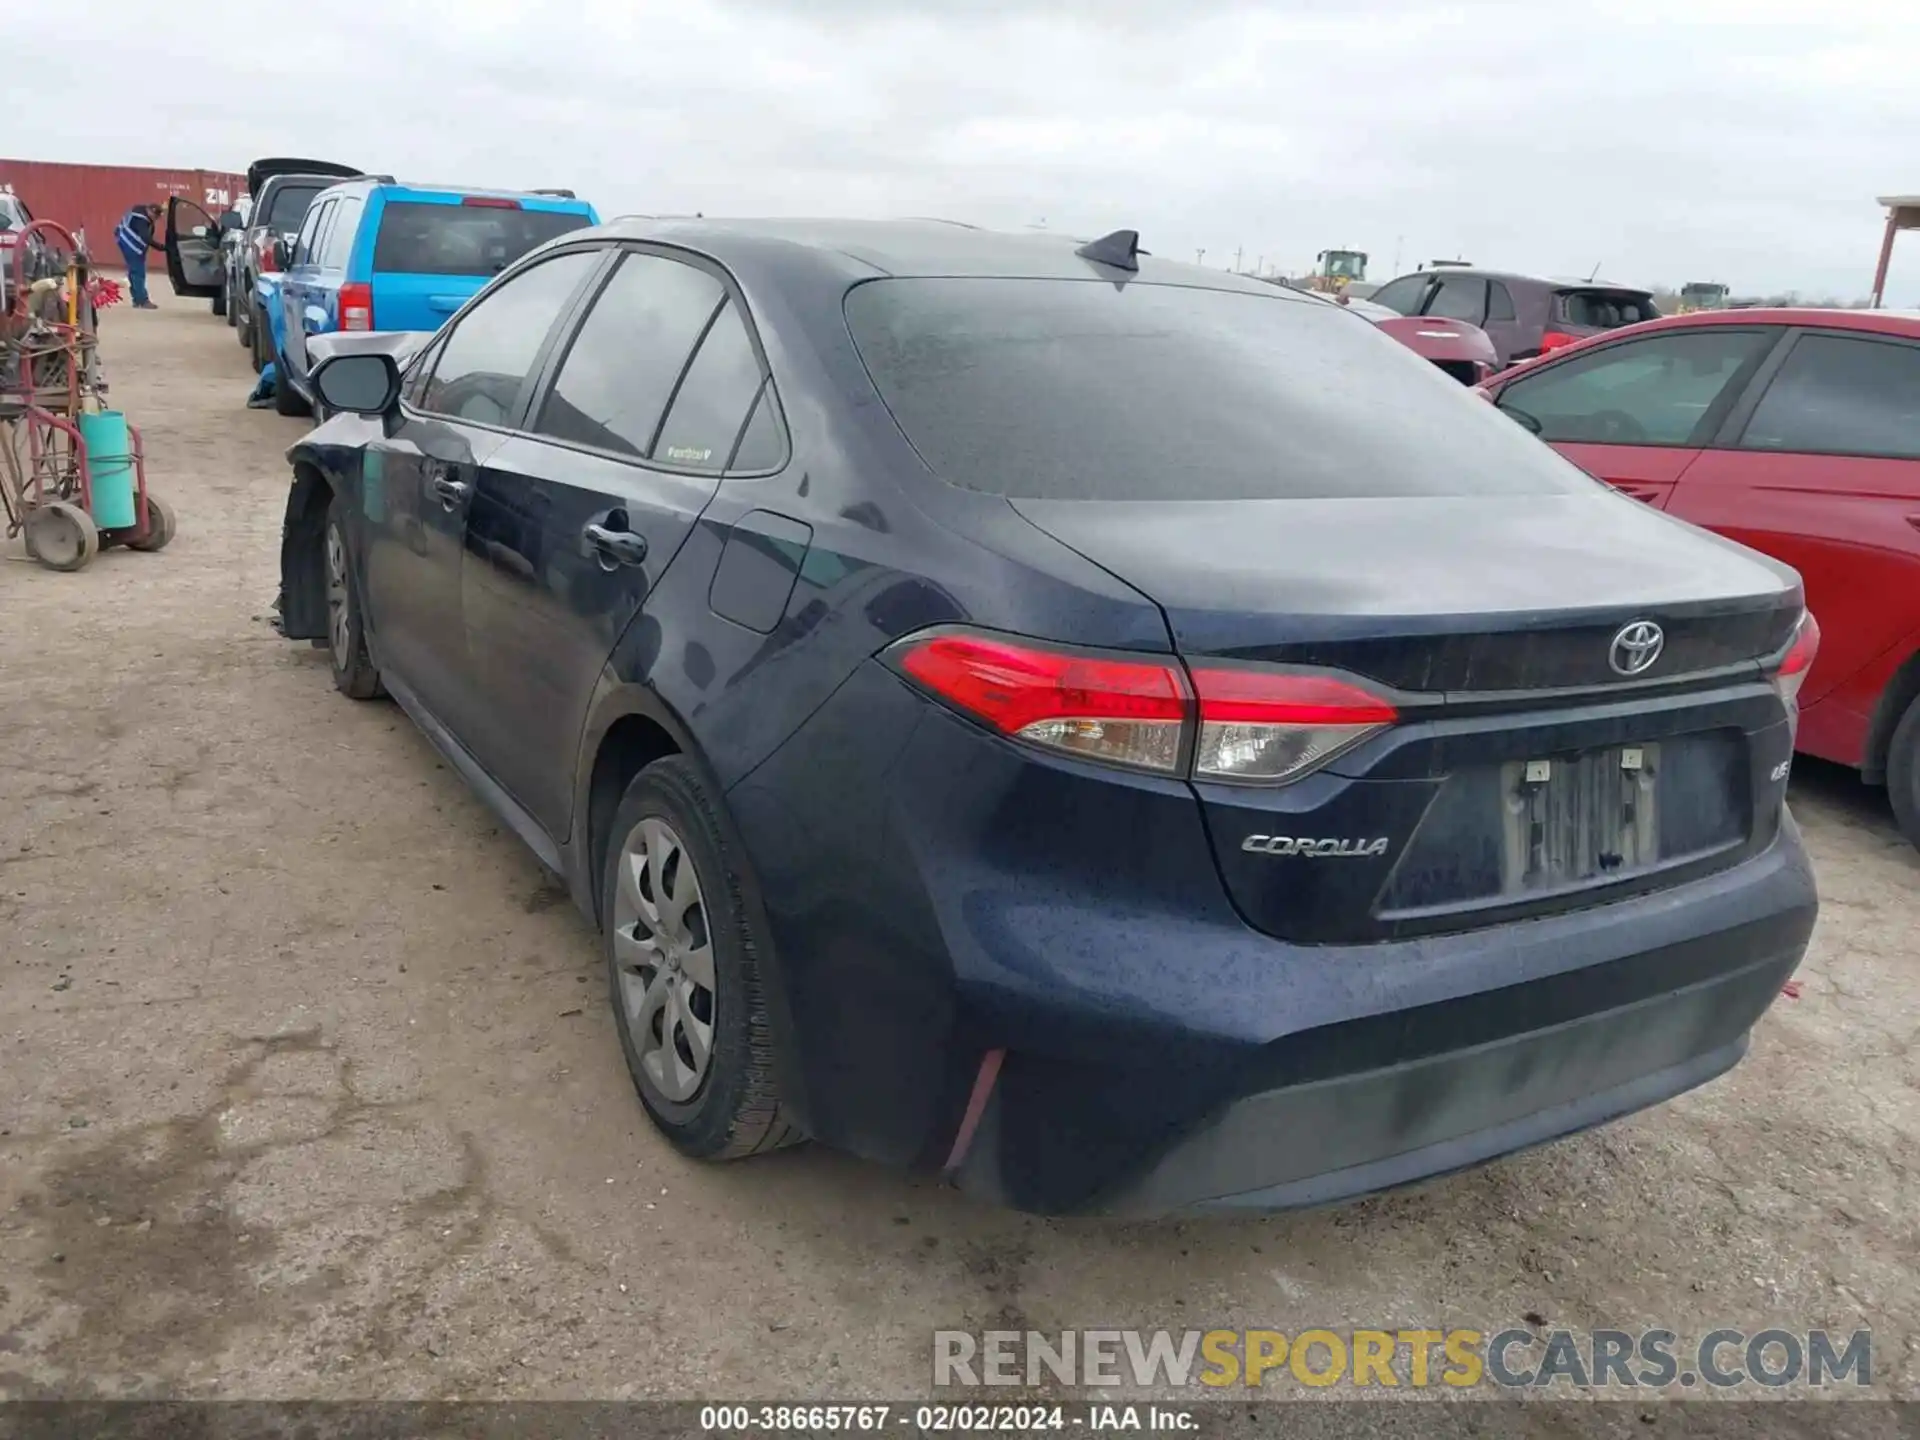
x=861 y=249
x=1551 y=282
x=1884 y=322
x=406 y=188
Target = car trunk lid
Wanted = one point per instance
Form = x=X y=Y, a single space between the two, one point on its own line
x=1527 y=773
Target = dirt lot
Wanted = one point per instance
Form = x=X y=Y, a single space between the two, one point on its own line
x=308 y=1086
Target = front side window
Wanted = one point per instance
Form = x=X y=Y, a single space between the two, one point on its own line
x=1076 y=390
x=1840 y=396
x=1655 y=391
x=490 y=353
x=621 y=369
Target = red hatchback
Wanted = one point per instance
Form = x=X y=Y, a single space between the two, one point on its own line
x=1796 y=432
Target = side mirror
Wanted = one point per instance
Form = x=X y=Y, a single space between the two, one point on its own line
x=364 y=384
x=200 y=232
x=283 y=254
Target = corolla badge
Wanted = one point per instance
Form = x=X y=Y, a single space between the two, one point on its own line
x=1316 y=849
x=1636 y=647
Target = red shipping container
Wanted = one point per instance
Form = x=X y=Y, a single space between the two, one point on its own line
x=92 y=198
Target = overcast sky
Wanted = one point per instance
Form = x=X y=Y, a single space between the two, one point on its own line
x=1661 y=140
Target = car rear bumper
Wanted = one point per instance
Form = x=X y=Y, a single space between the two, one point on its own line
x=1030 y=976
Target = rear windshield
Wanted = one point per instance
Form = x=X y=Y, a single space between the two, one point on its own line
x=1605 y=309
x=287 y=205
x=422 y=239
x=1079 y=390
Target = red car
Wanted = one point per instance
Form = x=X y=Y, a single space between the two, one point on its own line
x=1796 y=432
x=1462 y=350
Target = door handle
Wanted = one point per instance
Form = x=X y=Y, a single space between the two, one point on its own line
x=616 y=547
x=450 y=490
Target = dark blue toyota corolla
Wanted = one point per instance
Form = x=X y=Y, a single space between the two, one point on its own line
x=1125 y=736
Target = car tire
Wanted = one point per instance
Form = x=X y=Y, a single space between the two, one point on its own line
x=243 y=325
x=354 y=674
x=286 y=399
x=258 y=338
x=233 y=305
x=671 y=977
x=219 y=301
x=1903 y=773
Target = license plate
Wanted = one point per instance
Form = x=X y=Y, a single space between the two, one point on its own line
x=1572 y=819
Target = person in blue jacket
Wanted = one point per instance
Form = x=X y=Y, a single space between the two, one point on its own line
x=136 y=235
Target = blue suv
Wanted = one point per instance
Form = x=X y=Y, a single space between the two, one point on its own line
x=374 y=254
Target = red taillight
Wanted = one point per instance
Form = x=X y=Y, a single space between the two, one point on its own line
x=1798 y=660
x=491 y=202
x=263 y=258
x=1554 y=340
x=1126 y=712
x=1267 y=726
x=356 y=306
x=1247 y=725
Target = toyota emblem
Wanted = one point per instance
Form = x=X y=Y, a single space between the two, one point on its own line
x=1636 y=648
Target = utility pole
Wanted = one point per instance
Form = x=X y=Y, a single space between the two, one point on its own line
x=1237 y=253
x=1200 y=257
x=1398 y=241
x=1260 y=266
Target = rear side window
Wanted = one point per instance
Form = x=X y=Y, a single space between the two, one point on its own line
x=624 y=362
x=1499 y=301
x=1605 y=309
x=487 y=358
x=1655 y=391
x=1841 y=396
x=417 y=238
x=715 y=394
x=1460 y=297
x=1083 y=391
x=287 y=205
x=337 y=243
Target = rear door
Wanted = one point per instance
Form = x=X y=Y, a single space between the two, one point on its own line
x=1502 y=324
x=194 y=264
x=1820 y=468
x=328 y=271
x=297 y=320
x=432 y=252
x=575 y=522
x=1636 y=413
x=462 y=396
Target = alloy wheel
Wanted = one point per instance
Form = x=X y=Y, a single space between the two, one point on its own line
x=664 y=957
x=339 y=617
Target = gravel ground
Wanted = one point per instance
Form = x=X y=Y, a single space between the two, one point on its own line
x=308 y=1085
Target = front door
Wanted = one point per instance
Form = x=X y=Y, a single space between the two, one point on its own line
x=194 y=263
x=417 y=486
x=575 y=523
x=1635 y=414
